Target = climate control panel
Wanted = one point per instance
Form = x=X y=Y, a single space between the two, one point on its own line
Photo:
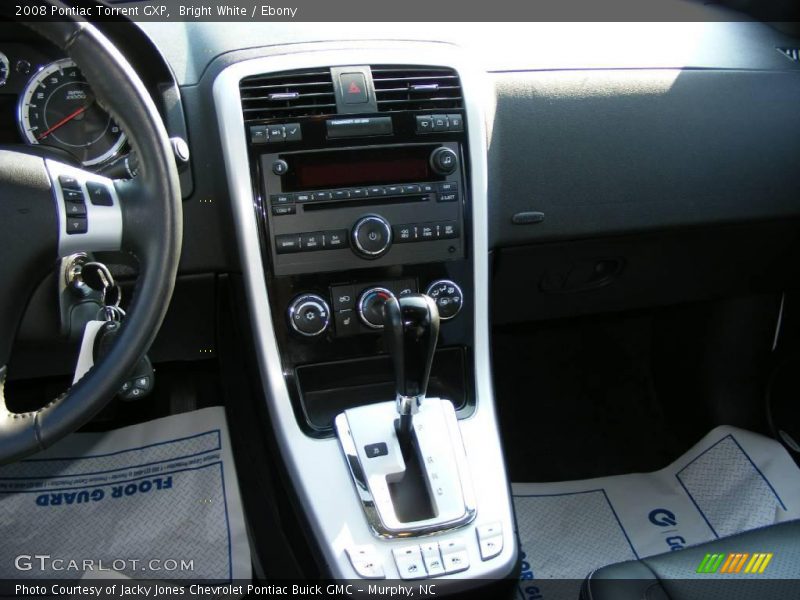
x=358 y=308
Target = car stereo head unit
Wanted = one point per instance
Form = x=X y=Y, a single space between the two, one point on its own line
x=353 y=207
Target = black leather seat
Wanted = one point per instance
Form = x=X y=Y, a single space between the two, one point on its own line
x=673 y=576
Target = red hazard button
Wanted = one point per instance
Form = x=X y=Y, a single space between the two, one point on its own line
x=354 y=88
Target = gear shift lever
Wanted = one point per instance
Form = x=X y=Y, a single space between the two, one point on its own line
x=411 y=329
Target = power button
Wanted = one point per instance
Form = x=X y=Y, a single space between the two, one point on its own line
x=372 y=236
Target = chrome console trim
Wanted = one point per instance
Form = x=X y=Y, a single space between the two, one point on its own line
x=317 y=466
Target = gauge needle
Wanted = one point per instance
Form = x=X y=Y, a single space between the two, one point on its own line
x=63 y=121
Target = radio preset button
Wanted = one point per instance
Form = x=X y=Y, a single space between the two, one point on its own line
x=358 y=192
x=341 y=194
x=321 y=196
x=412 y=189
x=376 y=191
x=372 y=236
x=394 y=190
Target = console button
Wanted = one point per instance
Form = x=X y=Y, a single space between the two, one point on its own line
x=302 y=197
x=448 y=197
x=99 y=194
x=341 y=194
x=358 y=192
x=428 y=188
x=372 y=236
x=376 y=450
x=284 y=209
x=409 y=562
x=336 y=239
x=286 y=244
x=311 y=241
x=439 y=122
x=448 y=186
x=424 y=124
x=405 y=233
x=346 y=322
x=258 y=134
x=354 y=88
x=454 y=556
x=455 y=123
x=394 y=190
x=376 y=191
x=427 y=232
x=280 y=198
x=309 y=315
x=490 y=539
x=432 y=559
x=448 y=230
x=343 y=297
x=276 y=133
x=321 y=196
x=412 y=189
x=365 y=562
x=293 y=132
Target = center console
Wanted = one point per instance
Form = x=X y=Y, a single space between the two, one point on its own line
x=359 y=187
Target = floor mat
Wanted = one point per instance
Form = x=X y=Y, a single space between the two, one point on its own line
x=157 y=500
x=731 y=481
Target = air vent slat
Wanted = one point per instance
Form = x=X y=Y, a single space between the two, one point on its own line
x=413 y=87
x=287 y=95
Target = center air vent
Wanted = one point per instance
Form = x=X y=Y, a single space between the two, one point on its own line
x=290 y=94
x=400 y=88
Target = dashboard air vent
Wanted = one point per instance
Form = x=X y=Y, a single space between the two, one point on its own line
x=289 y=94
x=399 y=88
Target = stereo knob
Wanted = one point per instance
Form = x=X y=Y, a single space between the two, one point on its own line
x=372 y=236
x=444 y=161
x=370 y=306
x=309 y=315
x=448 y=297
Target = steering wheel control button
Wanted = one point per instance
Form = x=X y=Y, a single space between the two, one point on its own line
x=68 y=183
x=372 y=236
x=370 y=306
x=409 y=562
x=75 y=209
x=309 y=315
x=432 y=559
x=448 y=298
x=286 y=244
x=454 y=556
x=490 y=540
x=280 y=167
x=77 y=225
x=443 y=160
x=365 y=562
x=71 y=195
x=99 y=194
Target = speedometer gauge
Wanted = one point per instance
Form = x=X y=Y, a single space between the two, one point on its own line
x=58 y=108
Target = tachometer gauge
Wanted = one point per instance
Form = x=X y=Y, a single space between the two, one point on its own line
x=5 y=68
x=58 y=108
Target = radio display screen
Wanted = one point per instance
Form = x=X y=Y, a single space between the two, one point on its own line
x=353 y=168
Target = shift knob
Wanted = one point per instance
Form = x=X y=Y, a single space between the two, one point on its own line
x=411 y=329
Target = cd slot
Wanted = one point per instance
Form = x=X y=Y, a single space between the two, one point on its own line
x=384 y=201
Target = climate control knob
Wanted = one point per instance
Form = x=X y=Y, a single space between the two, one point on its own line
x=444 y=161
x=370 y=306
x=309 y=315
x=372 y=236
x=448 y=297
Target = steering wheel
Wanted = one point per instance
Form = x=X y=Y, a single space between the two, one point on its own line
x=144 y=217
